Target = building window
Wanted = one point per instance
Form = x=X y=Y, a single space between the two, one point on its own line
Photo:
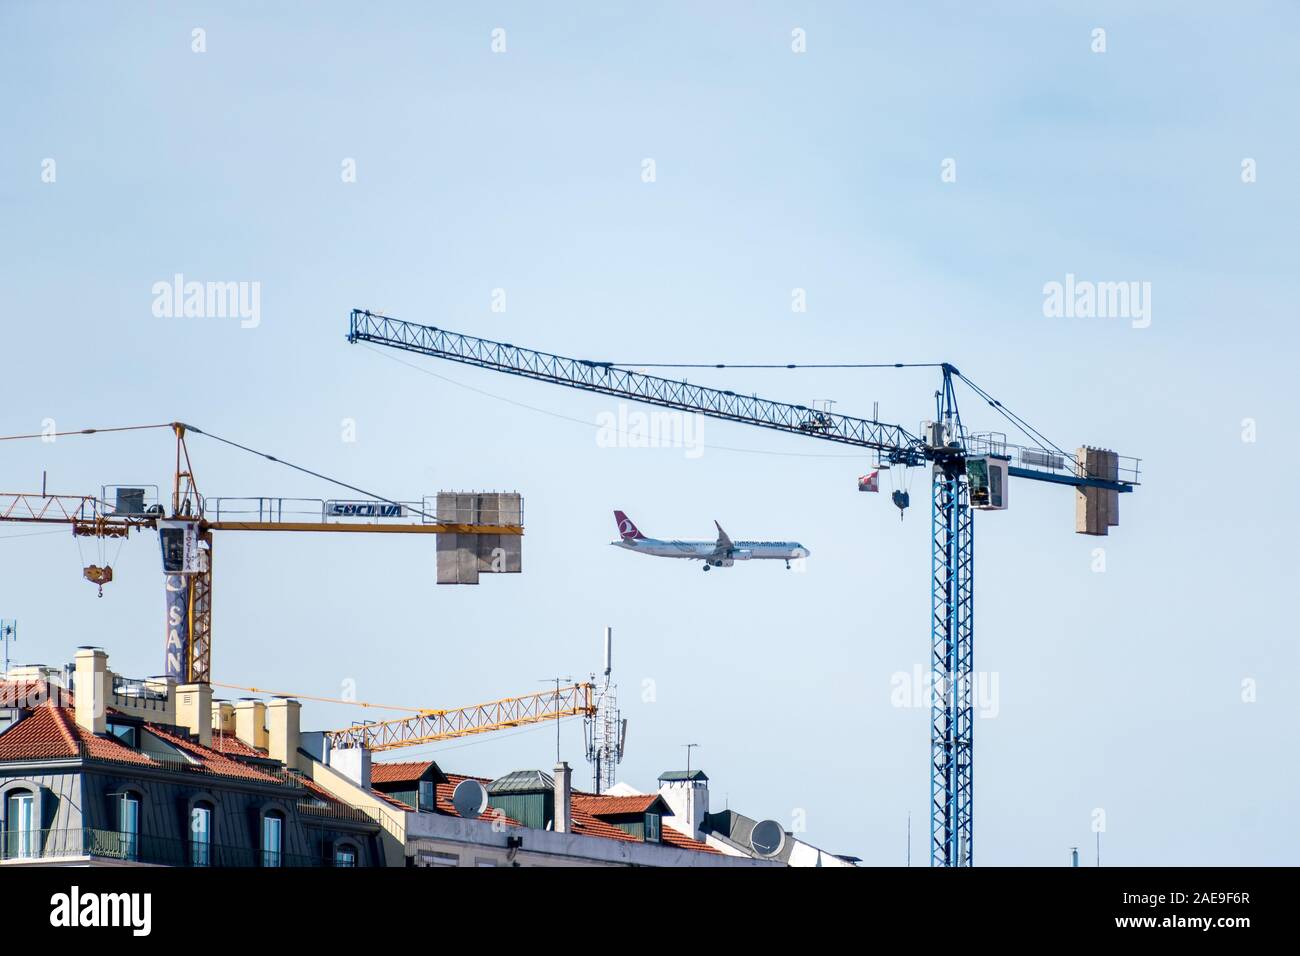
x=128 y=825
x=433 y=858
x=652 y=828
x=345 y=855
x=128 y=734
x=426 y=799
x=201 y=836
x=272 y=835
x=21 y=835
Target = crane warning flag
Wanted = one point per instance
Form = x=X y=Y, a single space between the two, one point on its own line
x=870 y=482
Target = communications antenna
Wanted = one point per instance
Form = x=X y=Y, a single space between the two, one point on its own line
x=607 y=728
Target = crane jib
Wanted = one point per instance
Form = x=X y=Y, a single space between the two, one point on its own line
x=608 y=379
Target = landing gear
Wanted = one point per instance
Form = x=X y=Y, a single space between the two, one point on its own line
x=787 y=564
x=706 y=565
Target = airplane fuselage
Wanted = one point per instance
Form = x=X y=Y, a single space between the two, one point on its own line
x=722 y=553
x=705 y=550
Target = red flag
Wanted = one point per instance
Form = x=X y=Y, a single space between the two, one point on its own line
x=869 y=482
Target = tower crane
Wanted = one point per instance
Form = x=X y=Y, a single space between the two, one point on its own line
x=186 y=535
x=969 y=472
x=574 y=700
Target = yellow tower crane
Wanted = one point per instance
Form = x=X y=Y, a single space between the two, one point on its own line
x=573 y=700
x=185 y=535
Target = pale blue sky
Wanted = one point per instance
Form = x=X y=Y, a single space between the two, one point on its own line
x=521 y=171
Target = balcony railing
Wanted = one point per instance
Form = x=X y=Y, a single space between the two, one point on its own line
x=51 y=846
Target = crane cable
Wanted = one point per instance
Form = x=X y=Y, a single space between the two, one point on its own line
x=1028 y=430
x=84 y=431
x=1023 y=426
x=308 y=471
x=233 y=444
x=477 y=739
x=632 y=366
x=325 y=700
x=579 y=421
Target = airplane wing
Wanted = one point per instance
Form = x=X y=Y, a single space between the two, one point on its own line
x=724 y=545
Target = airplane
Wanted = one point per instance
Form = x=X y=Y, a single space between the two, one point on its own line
x=722 y=553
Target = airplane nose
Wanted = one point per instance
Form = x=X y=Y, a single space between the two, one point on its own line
x=802 y=552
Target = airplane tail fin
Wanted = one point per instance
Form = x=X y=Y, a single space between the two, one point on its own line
x=626 y=529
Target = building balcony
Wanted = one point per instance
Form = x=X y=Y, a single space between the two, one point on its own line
x=85 y=846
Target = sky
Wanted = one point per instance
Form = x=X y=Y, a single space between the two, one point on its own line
x=653 y=183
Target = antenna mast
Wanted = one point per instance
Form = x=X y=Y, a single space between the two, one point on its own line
x=607 y=730
x=8 y=632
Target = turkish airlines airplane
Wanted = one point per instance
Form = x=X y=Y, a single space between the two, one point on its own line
x=722 y=553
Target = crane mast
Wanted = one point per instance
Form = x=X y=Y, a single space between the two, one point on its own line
x=945 y=446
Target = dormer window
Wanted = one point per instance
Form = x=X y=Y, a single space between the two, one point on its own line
x=652 y=828
x=127 y=734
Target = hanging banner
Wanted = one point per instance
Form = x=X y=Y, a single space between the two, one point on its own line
x=177 y=651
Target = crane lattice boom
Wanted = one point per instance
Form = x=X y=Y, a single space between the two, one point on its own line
x=575 y=700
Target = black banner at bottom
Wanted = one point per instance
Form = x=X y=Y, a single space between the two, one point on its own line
x=334 y=905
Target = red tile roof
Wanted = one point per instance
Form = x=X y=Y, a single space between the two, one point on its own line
x=391 y=801
x=30 y=693
x=49 y=732
x=409 y=771
x=585 y=824
x=52 y=732
x=589 y=807
x=445 y=806
x=231 y=745
x=209 y=759
x=670 y=836
x=613 y=806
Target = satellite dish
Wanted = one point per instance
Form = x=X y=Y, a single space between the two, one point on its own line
x=767 y=838
x=469 y=798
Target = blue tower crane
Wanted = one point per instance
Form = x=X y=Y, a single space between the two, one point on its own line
x=969 y=473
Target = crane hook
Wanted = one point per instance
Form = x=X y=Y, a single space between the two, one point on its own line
x=97 y=575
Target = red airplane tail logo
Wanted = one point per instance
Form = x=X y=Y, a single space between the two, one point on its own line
x=626 y=529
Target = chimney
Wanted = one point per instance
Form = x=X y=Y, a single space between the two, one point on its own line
x=282 y=731
x=353 y=763
x=250 y=722
x=92 y=687
x=563 y=798
x=223 y=718
x=688 y=798
x=194 y=710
